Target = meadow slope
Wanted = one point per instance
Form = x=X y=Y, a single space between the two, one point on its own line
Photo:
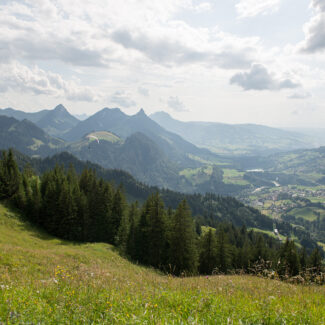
x=44 y=280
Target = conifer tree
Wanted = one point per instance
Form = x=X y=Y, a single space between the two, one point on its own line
x=118 y=211
x=183 y=250
x=10 y=177
x=131 y=239
x=288 y=264
x=222 y=252
x=208 y=255
x=303 y=259
x=142 y=235
x=315 y=260
x=157 y=232
x=122 y=236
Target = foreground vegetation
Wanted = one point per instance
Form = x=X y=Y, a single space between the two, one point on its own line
x=49 y=281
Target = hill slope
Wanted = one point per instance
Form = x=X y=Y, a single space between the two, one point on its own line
x=114 y=120
x=46 y=280
x=234 y=139
x=26 y=137
x=55 y=122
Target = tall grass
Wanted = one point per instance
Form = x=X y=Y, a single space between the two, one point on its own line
x=48 y=281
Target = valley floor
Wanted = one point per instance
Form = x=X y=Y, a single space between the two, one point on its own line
x=48 y=281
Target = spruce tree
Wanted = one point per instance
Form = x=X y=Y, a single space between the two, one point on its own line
x=118 y=211
x=157 y=232
x=142 y=235
x=131 y=240
x=121 y=239
x=208 y=253
x=222 y=252
x=10 y=177
x=183 y=250
x=315 y=260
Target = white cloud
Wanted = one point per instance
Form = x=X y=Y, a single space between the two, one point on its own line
x=169 y=49
x=176 y=104
x=203 y=7
x=18 y=77
x=300 y=95
x=314 y=29
x=143 y=91
x=259 y=78
x=251 y=8
x=122 y=99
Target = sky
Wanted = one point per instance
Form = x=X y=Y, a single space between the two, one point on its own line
x=234 y=61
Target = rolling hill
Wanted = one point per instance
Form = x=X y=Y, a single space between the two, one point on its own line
x=241 y=139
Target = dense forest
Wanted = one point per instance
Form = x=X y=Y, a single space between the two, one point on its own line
x=208 y=210
x=83 y=207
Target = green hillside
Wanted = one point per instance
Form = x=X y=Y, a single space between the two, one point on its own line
x=104 y=135
x=48 y=281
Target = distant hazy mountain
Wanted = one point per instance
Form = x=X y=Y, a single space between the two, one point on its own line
x=21 y=115
x=26 y=137
x=234 y=139
x=81 y=117
x=55 y=122
x=316 y=133
x=114 y=120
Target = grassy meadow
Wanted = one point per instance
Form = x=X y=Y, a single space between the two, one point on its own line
x=44 y=280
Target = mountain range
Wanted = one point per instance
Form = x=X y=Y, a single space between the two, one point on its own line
x=239 y=139
x=55 y=122
x=142 y=147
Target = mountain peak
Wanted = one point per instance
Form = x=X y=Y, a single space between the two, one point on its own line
x=141 y=113
x=161 y=114
x=60 y=108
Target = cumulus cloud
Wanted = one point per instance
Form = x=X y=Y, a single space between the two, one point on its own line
x=300 y=95
x=143 y=91
x=251 y=8
x=315 y=29
x=202 y=7
x=176 y=104
x=168 y=51
x=122 y=99
x=259 y=78
x=18 y=77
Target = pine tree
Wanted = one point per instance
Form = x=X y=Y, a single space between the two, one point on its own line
x=222 y=252
x=183 y=250
x=315 y=260
x=288 y=264
x=10 y=177
x=122 y=236
x=142 y=235
x=208 y=256
x=157 y=232
x=118 y=211
x=131 y=240
x=303 y=259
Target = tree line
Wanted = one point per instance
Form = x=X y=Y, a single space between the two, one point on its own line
x=85 y=208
